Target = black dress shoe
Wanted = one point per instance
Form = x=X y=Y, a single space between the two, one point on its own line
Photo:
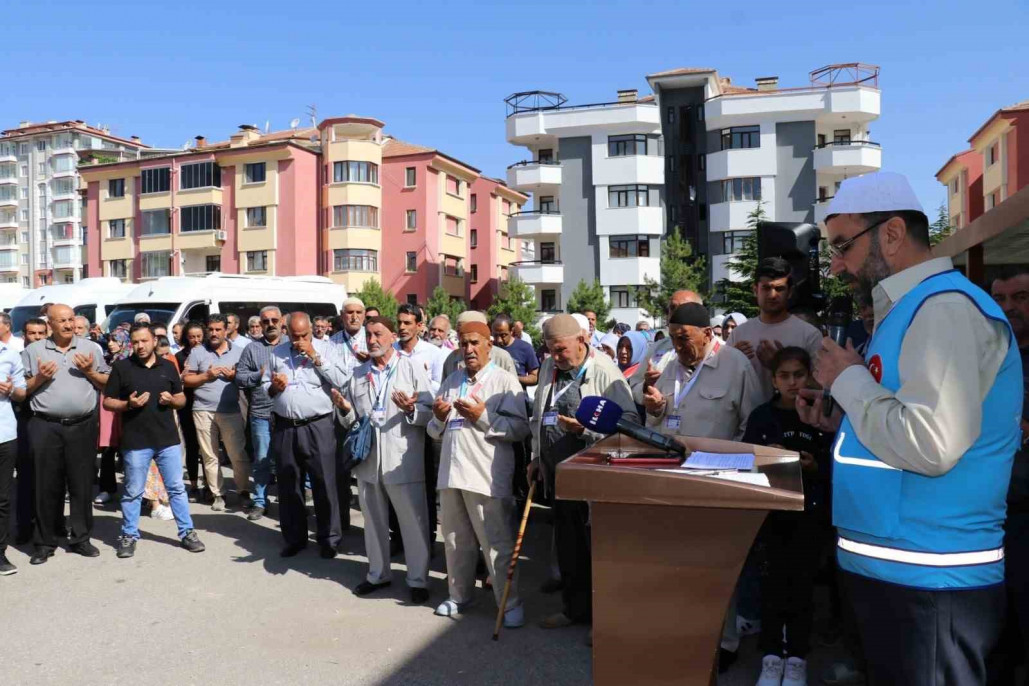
x=419 y=595
x=366 y=587
x=726 y=659
x=327 y=552
x=292 y=549
x=41 y=555
x=85 y=549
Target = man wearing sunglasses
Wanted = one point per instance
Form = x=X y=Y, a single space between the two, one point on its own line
x=249 y=372
x=924 y=451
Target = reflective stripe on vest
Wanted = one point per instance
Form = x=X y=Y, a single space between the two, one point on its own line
x=980 y=557
x=858 y=461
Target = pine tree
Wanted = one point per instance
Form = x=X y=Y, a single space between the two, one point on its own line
x=739 y=294
x=590 y=297
x=680 y=270
x=441 y=303
x=517 y=299
x=940 y=228
x=372 y=295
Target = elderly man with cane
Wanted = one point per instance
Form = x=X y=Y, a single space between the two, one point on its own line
x=928 y=430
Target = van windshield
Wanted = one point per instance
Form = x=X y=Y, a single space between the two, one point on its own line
x=160 y=313
x=20 y=315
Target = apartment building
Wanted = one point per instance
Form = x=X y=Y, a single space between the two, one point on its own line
x=492 y=246
x=609 y=180
x=41 y=230
x=995 y=167
x=327 y=200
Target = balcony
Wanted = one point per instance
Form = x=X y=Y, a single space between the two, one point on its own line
x=534 y=117
x=741 y=163
x=8 y=241
x=8 y=158
x=850 y=157
x=8 y=220
x=199 y=240
x=533 y=224
x=728 y=216
x=623 y=220
x=9 y=202
x=9 y=180
x=628 y=271
x=628 y=169
x=61 y=173
x=535 y=177
x=539 y=273
x=9 y=265
x=64 y=235
x=67 y=259
x=821 y=210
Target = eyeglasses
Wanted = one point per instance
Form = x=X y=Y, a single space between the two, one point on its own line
x=838 y=250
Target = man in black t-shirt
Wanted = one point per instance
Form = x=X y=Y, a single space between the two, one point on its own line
x=146 y=390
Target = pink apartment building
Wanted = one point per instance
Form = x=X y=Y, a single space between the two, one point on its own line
x=491 y=246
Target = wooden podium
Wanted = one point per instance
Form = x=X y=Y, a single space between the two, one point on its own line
x=667 y=551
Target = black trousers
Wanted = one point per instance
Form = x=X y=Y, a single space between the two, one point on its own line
x=571 y=525
x=26 y=514
x=191 y=444
x=301 y=451
x=64 y=457
x=913 y=637
x=8 y=456
x=793 y=544
x=1013 y=651
x=344 y=494
x=107 y=480
x=433 y=451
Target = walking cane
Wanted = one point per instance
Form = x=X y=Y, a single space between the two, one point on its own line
x=514 y=561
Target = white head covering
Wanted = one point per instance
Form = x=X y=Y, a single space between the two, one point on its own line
x=609 y=340
x=736 y=317
x=878 y=192
x=717 y=321
x=583 y=322
x=352 y=300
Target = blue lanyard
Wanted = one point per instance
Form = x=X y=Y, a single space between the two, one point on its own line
x=380 y=395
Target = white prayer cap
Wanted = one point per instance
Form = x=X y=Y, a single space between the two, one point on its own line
x=353 y=301
x=878 y=192
x=583 y=322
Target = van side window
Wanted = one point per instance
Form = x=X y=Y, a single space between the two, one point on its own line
x=87 y=311
x=197 y=312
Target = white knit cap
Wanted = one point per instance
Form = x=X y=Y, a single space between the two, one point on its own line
x=878 y=192
x=583 y=322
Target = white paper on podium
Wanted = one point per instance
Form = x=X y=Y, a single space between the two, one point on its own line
x=753 y=478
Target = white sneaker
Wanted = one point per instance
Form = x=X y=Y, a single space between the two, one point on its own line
x=162 y=512
x=747 y=627
x=796 y=672
x=514 y=617
x=771 y=671
x=450 y=608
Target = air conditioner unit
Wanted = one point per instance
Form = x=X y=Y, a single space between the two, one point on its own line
x=219 y=235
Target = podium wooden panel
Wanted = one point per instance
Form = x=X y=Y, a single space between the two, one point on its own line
x=667 y=551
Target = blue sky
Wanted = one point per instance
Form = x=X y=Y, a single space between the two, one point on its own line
x=437 y=72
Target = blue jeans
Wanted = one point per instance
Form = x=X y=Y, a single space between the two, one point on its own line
x=169 y=463
x=260 y=438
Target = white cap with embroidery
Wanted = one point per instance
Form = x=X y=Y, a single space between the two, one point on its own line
x=878 y=192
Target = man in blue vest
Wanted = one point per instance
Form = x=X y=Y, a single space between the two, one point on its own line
x=927 y=434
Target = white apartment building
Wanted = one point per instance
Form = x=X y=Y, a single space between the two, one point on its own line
x=697 y=157
x=41 y=232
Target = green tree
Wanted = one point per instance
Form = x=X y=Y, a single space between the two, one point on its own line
x=940 y=228
x=832 y=286
x=372 y=295
x=441 y=303
x=517 y=299
x=590 y=297
x=680 y=270
x=738 y=294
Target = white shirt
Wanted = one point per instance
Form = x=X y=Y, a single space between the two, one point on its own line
x=430 y=358
x=240 y=341
x=15 y=343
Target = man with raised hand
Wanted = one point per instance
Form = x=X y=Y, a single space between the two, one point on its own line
x=660 y=353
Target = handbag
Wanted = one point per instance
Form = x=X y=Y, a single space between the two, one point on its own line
x=357 y=443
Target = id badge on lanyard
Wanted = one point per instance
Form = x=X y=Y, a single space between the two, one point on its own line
x=379 y=407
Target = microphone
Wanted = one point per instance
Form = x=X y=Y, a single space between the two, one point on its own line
x=605 y=416
x=841 y=313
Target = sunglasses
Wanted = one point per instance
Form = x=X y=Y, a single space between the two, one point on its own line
x=838 y=250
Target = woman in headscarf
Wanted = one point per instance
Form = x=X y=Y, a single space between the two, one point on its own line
x=632 y=347
x=731 y=321
x=609 y=344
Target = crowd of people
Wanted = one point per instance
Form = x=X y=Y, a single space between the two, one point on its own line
x=443 y=424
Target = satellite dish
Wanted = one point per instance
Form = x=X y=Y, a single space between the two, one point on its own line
x=294 y=123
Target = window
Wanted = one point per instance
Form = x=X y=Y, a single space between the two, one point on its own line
x=452 y=266
x=473 y=238
x=256 y=216
x=155 y=264
x=700 y=113
x=257 y=260
x=412 y=299
x=25 y=279
x=411 y=263
x=62 y=186
x=631 y=144
x=548 y=253
x=670 y=115
x=732 y=241
x=213 y=263
x=24 y=236
x=820 y=140
x=506 y=208
x=841 y=137
x=629 y=246
x=453 y=226
x=505 y=241
x=410 y=177
x=503 y=273
x=364 y=216
x=627 y=196
x=474 y=277
x=41 y=146
x=991 y=155
x=24 y=171
x=200 y=218
x=547 y=205
x=155 y=180
x=412 y=220
x=453 y=185
x=474 y=203
x=736 y=190
x=155 y=223
x=254 y=172
x=63 y=209
x=116 y=228
x=25 y=259
x=741 y=137
x=623 y=296
x=8 y=193
x=62 y=163
x=355 y=172
x=118 y=268
x=115 y=188
x=954 y=187
x=200 y=175
x=344 y=260
x=545 y=156
x=548 y=300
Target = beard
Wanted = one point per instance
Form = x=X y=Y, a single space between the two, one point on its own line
x=873 y=270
